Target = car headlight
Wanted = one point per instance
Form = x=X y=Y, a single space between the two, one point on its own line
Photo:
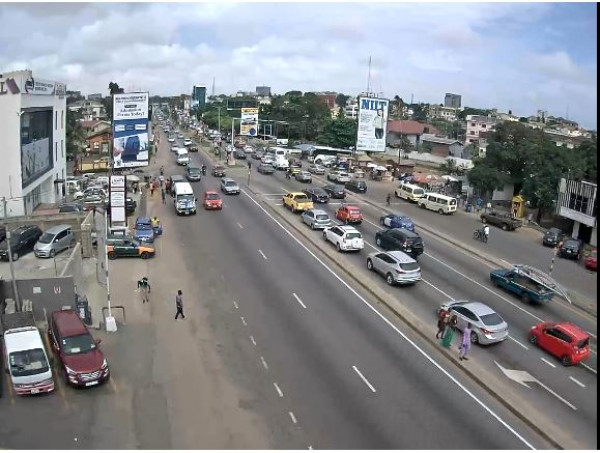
x=70 y=371
x=104 y=364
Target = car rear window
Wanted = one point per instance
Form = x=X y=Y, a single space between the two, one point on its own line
x=322 y=217
x=409 y=266
x=583 y=343
x=78 y=344
x=353 y=211
x=492 y=319
x=353 y=236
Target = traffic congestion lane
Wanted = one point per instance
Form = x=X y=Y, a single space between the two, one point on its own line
x=331 y=332
x=452 y=285
x=520 y=246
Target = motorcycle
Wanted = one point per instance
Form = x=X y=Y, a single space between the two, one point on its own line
x=203 y=170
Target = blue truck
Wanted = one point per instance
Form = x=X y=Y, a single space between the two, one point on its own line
x=530 y=287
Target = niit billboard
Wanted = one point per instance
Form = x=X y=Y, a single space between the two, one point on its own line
x=130 y=130
x=372 y=124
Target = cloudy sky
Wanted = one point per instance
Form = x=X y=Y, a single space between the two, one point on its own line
x=519 y=56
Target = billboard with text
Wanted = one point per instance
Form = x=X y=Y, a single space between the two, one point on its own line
x=130 y=130
x=249 y=122
x=372 y=124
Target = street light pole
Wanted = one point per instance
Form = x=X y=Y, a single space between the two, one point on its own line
x=12 y=272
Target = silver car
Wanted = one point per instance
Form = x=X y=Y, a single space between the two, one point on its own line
x=53 y=241
x=397 y=267
x=229 y=186
x=487 y=326
x=303 y=176
x=316 y=219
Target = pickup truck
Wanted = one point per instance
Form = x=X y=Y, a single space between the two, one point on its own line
x=501 y=220
x=297 y=201
x=25 y=357
x=529 y=290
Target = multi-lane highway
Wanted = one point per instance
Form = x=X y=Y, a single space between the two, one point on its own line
x=353 y=378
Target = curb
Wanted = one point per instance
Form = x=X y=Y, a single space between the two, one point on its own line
x=416 y=325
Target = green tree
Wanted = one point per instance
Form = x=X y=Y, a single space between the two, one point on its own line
x=339 y=133
x=472 y=111
x=75 y=135
x=341 y=100
x=485 y=179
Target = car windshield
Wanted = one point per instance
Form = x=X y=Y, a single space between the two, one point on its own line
x=583 y=343
x=492 y=319
x=322 y=217
x=353 y=236
x=78 y=344
x=452 y=202
x=419 y=192
x=230 y=183
x=193 y=170
x=26 y=363
x=144 y=226
x=187 y=197
x=409 y=266
x=212 y=196
x=46 y=238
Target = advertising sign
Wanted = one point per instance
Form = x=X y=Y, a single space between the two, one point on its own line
x=249 y=122
x=130 y=130
x=36 y=145
x=372 y=124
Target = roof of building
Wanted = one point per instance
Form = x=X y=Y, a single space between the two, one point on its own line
x=99 y=133
x=90 y=124
x=410 y=127
x=441 y=140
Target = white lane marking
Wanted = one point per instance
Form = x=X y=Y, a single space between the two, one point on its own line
x=264 y=362
x=263 y=255
x=374 y=224
x=549 y=363
x=278 y=204
x=293 y=417
x=279 y=392
x=448 y=296
x=240 y=225
x=252 y=340
x=519 y=343
x=243 y=321
x=486 y=288
x=588 y=367
x=364 y=379
x=235 y=305
x=580 y=384
x=299 y=300
x=397 y=330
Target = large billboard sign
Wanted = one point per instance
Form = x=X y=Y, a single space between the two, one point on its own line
x=372 y=124
x=249 y=122
x=130 y=130
x=36 y=144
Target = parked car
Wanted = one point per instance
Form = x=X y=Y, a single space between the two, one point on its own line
x=335 y=191
x=400 y=239
x=317 y=169
x=239 y=154
x=344 y=237
x=70 y=207
x=122 y=245
x=563 y=340
x=2 y=233
x=570 y=249
x=499 y=219
x=212 y=200
x=53 y=241
x=229 y=186
x=349 y=214
x=22 y=241
x=397 y=267
x=303 y=176
x=356 y=185
x=144 y=232
x=487 y=326
x=591 y=262
x=265 y=169
x=193 y=173
x=397 y=221
x=316 y=219
x=81 y=361
x=218 y=171
x=316 y=195
x=552 y=237
x=130 y=205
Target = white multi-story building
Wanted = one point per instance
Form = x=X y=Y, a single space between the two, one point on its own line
x=443 y=112
x=477 y=127
x=32 y=142
x=577 y=202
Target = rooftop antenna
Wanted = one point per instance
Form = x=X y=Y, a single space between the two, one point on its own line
x=411 y=98
x=369 y=78
x=213 y=86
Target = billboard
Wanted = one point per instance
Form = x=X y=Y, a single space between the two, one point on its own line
x=36 y=144
x=130 y=130
x=249 y=122
x=372 y=124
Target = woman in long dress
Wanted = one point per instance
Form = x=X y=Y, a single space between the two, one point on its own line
x=449 y=332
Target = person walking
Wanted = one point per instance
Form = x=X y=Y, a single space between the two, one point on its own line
x=443 y=320
x=145 y=288
x=465 y=344
x=163 y=195
x=151 y=190
x=179 y=304
x=388 y=199
x=448 y=335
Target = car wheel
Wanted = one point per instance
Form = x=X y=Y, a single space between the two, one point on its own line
x=382 y=222
x=111 y=255
x=378 y=242
x=474 y=338
x=337 y=246
x=566 y=360
x=324 y=236
x=52 y=253
x=145 y=255
x=505 y=227
x=533 y=339
x=526 y=299
x=389 y=278
x=440 y=211
x=312 y=226
x=369 y=264
x=15 y=256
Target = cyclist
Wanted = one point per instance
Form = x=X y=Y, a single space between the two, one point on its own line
x=145 y=288
x=288 y=173
x=203 y=169
x=486 y=232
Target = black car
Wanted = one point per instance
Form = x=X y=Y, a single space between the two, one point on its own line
x=218 y=171
x=193 y=148
x=406 y=241
x=571 y=249
x=356 y=185
x=2 y=233
x=316 y=195
x=193 y=174
x=552 y=237
x=130 y=205
x=22 y=241
x=71 y=207
x=239 y=154
x=335 y=191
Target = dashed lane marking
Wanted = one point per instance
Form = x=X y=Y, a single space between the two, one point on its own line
x=262 y=254
x=589 y=368
x=243 y=321
x=299 y=300
x=519 y=343
x=235 y=305
x=293 y=417
x=240 y=226
x=264 y=362
x=549 y=363
x=278 y=390
x=252 y=340
x=580 y=384
x=364 y=379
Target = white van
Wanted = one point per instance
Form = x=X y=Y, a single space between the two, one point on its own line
x=410 y=192
x=183 y=158
x=438 y=203
x=185 y=200
x=280 y=162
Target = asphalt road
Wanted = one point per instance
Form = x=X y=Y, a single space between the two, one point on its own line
x=450 y=274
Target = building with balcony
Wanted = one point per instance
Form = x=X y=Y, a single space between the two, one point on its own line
x=91 y=110
x=577 y=202
x=478 y=127
x=443 y=112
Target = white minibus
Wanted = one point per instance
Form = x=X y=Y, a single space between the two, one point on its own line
x=438 y=203
x=410 y=192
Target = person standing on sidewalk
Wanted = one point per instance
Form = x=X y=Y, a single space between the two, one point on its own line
x=163 y=195
x=448 y=335
x=443 y=320
x=179 y=304
x=465 y=344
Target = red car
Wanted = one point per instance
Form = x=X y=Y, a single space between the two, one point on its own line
x=212 y=200
x=82 y=362
x=563 y=340
x=591 y=262
x=349 y=214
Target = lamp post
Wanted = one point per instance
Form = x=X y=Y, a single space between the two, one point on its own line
x=12 y=272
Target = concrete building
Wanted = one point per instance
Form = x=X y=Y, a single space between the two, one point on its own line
x=33 y=142
x=443 y=147
x=90 y=110
x=408 y=129
x=477 y=128
x=198 y=97
x=95 y=97
x=263 y=92
x=577 y=201
x=351 y=109
x=443 y=112
x=452 y=100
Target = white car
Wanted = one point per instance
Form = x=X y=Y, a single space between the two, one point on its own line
x=267 y=160
x=171 y=139
x=187 y=142
x=344 y=237
x=338 y=176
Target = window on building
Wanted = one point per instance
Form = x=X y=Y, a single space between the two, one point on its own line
x=62 y=119
x=96 y=146
x=62 y=148
x=55 y=151
x=55 y=120
x=483 y=126
x=472 y=124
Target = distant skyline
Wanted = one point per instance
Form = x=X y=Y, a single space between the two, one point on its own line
x=511 y=56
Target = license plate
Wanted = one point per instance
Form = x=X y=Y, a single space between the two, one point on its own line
x=89 y=384
x=34 y=391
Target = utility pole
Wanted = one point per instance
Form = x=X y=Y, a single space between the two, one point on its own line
x=12 y=270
